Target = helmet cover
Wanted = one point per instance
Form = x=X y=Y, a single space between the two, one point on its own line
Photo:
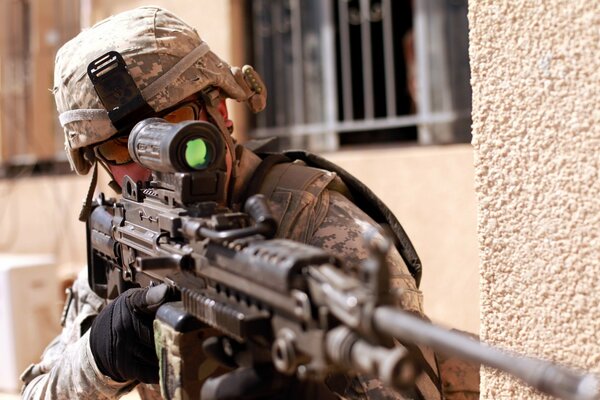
x=165 y=57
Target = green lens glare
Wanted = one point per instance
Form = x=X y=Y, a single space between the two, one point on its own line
x=198 y=154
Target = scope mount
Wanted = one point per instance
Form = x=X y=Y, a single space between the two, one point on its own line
x=187 y=160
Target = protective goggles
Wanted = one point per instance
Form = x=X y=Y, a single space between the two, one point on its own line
x=114 y=151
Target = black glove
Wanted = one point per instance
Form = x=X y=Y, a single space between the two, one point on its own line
x=122 y=337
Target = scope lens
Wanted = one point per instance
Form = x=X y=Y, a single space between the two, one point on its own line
x=198 y=153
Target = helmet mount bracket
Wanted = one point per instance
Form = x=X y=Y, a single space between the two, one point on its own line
x=117 y=91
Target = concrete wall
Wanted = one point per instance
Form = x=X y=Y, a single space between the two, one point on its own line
x=536 y=113
x=39 y=216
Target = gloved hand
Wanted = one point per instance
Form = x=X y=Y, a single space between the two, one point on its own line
x=122 y=337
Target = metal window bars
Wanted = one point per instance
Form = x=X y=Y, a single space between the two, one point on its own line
x=339 y=66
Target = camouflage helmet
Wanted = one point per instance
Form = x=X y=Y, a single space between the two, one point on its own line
x=165 y=57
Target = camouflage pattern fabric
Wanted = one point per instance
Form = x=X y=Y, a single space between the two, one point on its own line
x=460 y=378
x=67 y=369
x=325 y=218
x=67 y=365
x=342 y=232
x=152 y=41
x=321 y=217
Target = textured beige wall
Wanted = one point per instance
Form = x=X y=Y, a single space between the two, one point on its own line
x=211 y=18
x=536 y=112
x=39 y=216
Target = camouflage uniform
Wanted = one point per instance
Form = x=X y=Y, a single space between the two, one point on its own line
x=169 y=62
x=316 y=215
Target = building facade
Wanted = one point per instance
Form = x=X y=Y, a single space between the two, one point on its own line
x=536 y=135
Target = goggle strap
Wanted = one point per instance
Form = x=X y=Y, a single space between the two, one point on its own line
x=98 y=114
x=113 y=184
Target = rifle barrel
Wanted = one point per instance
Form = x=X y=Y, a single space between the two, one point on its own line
x=544 y=376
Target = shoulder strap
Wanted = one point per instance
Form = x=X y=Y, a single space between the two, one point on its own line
x=363 y=197
x=372 y=205
x=261 y=172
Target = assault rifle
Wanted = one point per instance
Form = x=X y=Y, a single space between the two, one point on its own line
x=268 y=301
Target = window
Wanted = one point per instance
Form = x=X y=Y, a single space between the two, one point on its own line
x=362 y=71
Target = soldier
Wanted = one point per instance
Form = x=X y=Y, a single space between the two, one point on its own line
x=107 y=349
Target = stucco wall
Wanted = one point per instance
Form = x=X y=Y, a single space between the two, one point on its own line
x=536 y=125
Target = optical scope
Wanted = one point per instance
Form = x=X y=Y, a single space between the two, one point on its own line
x=187 y=159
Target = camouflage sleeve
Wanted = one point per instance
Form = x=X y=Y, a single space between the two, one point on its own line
x=67 y=369
x=342 y=231
x=75 y=375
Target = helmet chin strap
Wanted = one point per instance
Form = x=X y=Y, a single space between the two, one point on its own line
x=113 y=184
x=86 y=208
x=211 y=99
